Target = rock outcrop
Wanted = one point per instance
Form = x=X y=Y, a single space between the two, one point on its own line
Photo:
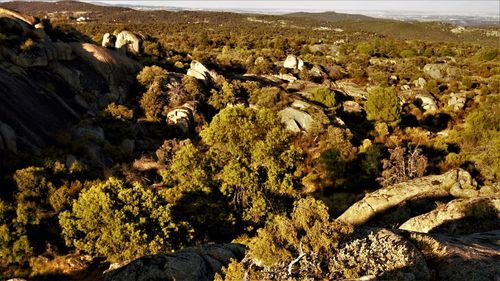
x=129 y=40
x=200 y=72
x=191 y=264
x=457 y=101
x=30 y=20
x=465 y=257
x=428 y=101
x=46 y=89
x=292 y=62
x=296 y=120
x=7 y=138
x=440 y=70
x=384 y=199
x=108 y=40
x=479 y=208
x=182 y=117
x=350 y=89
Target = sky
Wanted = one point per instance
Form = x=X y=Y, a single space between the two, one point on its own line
x=470 y=7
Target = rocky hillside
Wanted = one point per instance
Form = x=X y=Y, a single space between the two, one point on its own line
x=154 y=145
x=48 y=83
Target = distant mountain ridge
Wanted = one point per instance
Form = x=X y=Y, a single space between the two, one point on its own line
x=329 y=16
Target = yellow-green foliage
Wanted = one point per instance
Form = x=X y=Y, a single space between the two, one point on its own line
x=253 y=157
x=121 y=221
x=479 y=138
x=383 y=105
x=324 y=96
x=150 y=74
x=308 y=233
x=119 y=111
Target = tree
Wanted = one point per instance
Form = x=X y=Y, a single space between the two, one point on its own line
x=253 y=159
x=383 y=105
x=121 y=221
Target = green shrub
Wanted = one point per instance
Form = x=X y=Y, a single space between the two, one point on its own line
x=307 y=234
x=121 y=221
x=487 y=54
x=324 y=96
x=383 y=105
x=479 y=138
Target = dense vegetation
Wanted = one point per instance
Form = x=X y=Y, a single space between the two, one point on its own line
x=239 y=172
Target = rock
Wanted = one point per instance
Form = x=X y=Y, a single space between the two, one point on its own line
x=420 y=83
x=457 y=101
x=129 y=40
x=117 y=69
x=458 y=30
x=350 y=89
x=385 y=254
x=146 y=164
x=301 y=105
x=108 y=40
x=30 y=20
x=199 y=71
x=480 y=208
x=70 y=160
x=466 y=257
x=428 y=101
x=352 y=107
x=127 y=146
x=7 y=138
x=440 y=71
x=380 y=201
x=318 y=71
x=182 y=117
x=35 y=59
x=287 y=77
x=195 y=263
x=95 y=133
x=296 y=120
x=292 y=62
x=39 y=31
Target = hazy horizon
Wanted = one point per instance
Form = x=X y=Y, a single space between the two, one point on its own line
x=431 y=7
x=464 y=8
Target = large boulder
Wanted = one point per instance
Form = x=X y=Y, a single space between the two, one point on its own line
x=190 y=264
x=485 y=211
x=384 y=199
x=30 y=20
x=440 y=71
x=350 y=89
x=428 y=102
x=108 y=40
x=113 y=66
x=457 y=101
x=129 y=40
x=7 y=138
x=468 y=257
x=182 y=117
x=201 y=72
x=292 y=62
x=296 y=120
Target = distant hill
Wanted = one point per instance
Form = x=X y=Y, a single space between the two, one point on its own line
x=356 y=27
x=36 y=7
x=329 y=16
